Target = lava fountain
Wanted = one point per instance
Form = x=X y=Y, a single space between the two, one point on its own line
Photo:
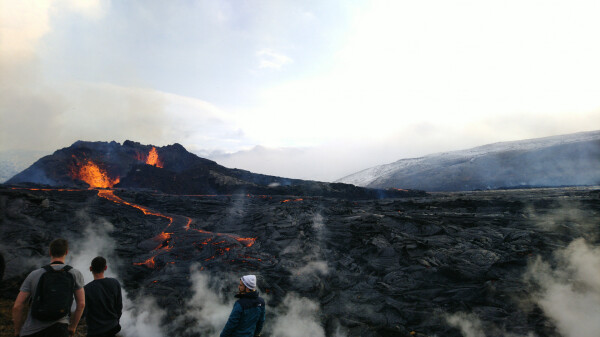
x=93 y=175
x=151 y=159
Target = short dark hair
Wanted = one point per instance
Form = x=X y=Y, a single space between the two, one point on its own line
x=98 y=264
x=59 y=248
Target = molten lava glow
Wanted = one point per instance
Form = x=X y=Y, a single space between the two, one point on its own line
x=164 y=239
x=153 y=158
x=248 y=242
x=46 y=189
x=110 y=195
x=288 y=200
x=150 y=263
x=93 y=175
x=163 y=236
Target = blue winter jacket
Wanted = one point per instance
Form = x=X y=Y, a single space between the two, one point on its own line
x=247 y=317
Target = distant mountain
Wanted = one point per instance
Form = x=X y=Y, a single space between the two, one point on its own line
x=170 y=169
x=567 y=160
x=13 y=162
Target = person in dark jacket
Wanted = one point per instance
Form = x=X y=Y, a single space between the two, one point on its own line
x=104 y=302
x=248 y=314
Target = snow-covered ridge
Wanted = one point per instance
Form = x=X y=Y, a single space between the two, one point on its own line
x=368 y=176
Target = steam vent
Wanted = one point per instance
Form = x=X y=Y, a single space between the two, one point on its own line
x=335 y=259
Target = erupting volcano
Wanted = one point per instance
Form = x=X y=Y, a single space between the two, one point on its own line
x=171 y=169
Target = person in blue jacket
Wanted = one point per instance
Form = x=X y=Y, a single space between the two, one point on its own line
x=248 y=314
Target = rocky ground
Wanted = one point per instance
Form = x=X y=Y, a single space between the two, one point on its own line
x=427 y=265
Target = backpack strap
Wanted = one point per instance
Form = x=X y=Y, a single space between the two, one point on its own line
x=49 y=268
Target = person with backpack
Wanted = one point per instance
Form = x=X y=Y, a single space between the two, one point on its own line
x=103 y=302
x=248 y=314
x=51 y=290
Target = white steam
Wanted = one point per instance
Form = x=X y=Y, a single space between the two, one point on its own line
x=568 y=215
x=570 y=292
x=312 y=267
x=469 y=324
x=206 y=307
x=141 y=316
x=96 y=242
x=297 y=317
x=210 y=304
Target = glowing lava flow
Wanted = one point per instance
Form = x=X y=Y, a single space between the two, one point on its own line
x=164 y=239
x=110 y=195
x=47 y=189
x=289 y=200
x=248 y=242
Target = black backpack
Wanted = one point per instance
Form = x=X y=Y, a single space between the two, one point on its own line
x=53 y=295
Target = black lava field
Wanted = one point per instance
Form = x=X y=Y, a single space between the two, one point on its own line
x=422 y=266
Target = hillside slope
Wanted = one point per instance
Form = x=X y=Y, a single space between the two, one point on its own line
x=568 y=160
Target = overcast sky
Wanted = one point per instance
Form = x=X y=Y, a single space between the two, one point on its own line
x=305 y=89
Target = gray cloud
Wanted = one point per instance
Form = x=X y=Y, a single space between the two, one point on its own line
x=29 y=109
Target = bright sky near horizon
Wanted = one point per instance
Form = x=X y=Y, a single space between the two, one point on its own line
x=304 y=89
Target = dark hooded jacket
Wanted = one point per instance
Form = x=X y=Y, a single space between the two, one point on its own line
x=247 y=317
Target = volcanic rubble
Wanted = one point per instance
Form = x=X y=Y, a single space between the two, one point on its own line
x=387 y=267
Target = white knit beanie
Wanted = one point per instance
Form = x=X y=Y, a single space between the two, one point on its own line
x=249 y=281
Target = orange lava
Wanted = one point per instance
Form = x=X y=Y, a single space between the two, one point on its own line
x=96 y=177
x=248 y=242
x=150 y=263
x=93 y=175
x=110 y=195
x=46 y=189
x=153 y=158
x=288 y=200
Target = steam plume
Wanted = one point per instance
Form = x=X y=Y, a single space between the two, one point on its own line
x=570 y=291
x=297 y=317
x=141 y=316
x=209 y=310
x=469 y=324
